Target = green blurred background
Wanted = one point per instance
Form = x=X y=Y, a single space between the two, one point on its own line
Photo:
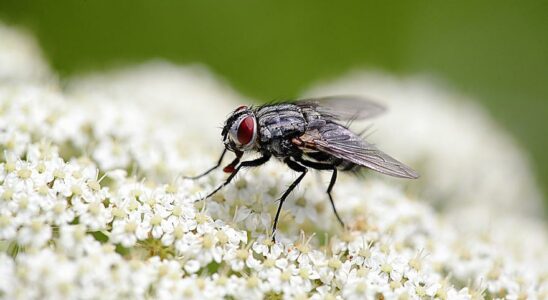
x=494 y=51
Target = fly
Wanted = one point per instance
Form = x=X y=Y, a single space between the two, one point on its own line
x=305 y=134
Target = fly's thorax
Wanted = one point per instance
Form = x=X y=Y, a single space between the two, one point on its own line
x=280 y=121
x=240 y=130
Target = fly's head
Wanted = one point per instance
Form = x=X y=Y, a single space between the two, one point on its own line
x=240 y=131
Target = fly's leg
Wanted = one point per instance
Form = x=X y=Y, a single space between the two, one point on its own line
x=296 y=167
x=244 y=164
x=210 y=169
x=331 y=184
x=321 y=166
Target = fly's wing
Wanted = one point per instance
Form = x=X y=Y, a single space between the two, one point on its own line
x=340 y=142
x=343 y=107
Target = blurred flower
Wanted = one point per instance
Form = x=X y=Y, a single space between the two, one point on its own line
x=20 y=57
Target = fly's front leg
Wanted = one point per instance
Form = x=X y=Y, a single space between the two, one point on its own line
x=296 y=167
x=245 y=164
x=210 y=169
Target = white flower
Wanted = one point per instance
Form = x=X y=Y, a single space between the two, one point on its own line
x=192 y=266
x=186 y=243
x=237 y=258
x=7 y=275
x=302 y=251
x=130 y=229
x=26 y=207
x=264 y=246
x=23 y=177
x=35 y=234
x=304 y=205
x=110 y=155
x=60 y=213
x=177 y=229
x=16 y=142
x=96 y=216
x=74 y=240
x=292 y=281
x=358 y=289
x=8 y=226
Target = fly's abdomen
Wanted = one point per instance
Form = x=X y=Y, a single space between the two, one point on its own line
x=340 y=164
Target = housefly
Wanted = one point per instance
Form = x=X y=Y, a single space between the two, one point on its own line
x=305 y=134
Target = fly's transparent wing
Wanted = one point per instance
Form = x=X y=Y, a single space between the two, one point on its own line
x=368 y=156
x=343 y=107
x=340 y=142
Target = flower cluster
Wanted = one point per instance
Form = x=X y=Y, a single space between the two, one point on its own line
x=93 y=206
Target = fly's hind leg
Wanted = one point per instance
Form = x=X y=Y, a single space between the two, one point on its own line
x=322 y=166
x=331 y=185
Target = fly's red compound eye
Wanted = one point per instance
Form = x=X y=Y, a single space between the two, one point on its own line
x=246 y=130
